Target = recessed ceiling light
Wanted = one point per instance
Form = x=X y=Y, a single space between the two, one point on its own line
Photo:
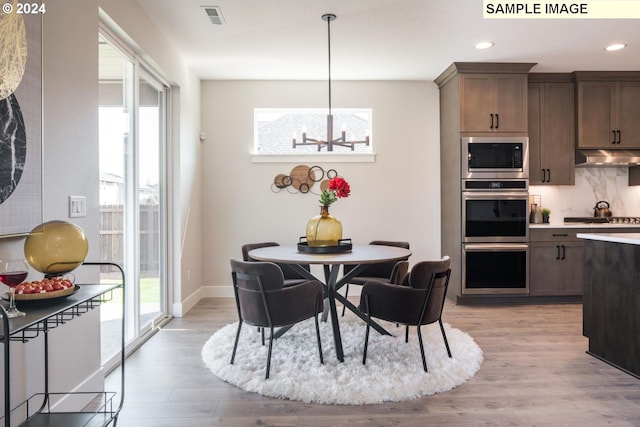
x=484 y=45
x=615 y=46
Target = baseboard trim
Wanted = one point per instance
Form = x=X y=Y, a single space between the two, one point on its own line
x=181 y=308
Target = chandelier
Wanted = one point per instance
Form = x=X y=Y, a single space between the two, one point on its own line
x=341 y=140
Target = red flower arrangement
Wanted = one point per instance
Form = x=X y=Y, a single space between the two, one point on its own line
x=338 y=188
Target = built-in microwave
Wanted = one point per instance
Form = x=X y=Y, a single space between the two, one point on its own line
x=495 y=157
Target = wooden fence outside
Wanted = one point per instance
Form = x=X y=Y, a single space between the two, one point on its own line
x=112 y=237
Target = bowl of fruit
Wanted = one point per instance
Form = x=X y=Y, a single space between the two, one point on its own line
x=47 y=288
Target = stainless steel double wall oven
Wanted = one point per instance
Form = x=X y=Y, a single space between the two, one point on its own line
x=495 y=215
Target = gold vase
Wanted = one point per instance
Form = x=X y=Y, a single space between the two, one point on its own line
x=324 y=229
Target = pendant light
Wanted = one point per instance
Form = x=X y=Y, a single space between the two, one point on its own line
x=329 y=142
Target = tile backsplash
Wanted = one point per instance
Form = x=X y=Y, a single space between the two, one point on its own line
x=592 y=185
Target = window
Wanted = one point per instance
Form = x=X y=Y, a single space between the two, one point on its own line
x=275 y=130
x=133 y=209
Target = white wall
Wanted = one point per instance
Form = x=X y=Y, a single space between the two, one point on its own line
x=394 y=198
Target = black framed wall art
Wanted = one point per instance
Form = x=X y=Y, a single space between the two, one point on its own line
x=20 y=118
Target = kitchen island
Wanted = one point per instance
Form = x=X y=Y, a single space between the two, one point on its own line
x=611 y=313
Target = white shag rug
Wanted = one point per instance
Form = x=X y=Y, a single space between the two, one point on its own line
x=393 y=371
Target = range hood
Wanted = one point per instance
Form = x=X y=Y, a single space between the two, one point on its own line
x=607 y=157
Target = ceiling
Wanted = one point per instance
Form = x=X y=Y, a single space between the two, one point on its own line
x=379 y=39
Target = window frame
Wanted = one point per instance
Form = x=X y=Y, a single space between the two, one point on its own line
x=312 y=156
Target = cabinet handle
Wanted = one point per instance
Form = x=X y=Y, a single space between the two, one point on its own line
x=546 y=175
x=491 y=127
x=619 y=139
x=542 y=175
x=498 y=121
x=560 y=235
x=564 y=249
x=558 y=252
x=614 y=136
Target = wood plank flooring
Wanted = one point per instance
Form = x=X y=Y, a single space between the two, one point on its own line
x=535 y=373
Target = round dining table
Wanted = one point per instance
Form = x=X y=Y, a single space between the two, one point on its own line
x=359 y=255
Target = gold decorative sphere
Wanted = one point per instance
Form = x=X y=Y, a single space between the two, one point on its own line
x=56 y=247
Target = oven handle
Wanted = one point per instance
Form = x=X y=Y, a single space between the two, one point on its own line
x=484 y=247
x=496 y=195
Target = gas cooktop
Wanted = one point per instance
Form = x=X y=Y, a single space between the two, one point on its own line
x=604 y=220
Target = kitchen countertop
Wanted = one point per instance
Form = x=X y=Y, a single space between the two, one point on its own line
x=583 y=225
x=628 y=238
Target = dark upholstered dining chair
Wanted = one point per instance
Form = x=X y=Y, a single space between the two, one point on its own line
x=379 y=271
x=291 y=277
x=263 y=301
x=419 y=301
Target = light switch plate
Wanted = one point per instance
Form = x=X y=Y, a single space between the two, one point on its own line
x=77 y=206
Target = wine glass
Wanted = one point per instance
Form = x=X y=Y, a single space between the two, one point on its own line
x=12 y=273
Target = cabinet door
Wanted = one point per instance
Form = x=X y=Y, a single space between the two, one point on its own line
x=629 y=114
x=534 y=111
x=545 y=276
x=557 y=154
x=476 y=102
x=573 y=263
x=510 y=102
x=596 y=107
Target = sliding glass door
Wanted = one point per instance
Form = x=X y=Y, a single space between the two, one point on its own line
x=133 y=107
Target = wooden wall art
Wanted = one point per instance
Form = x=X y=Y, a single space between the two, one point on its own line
x=302 y=178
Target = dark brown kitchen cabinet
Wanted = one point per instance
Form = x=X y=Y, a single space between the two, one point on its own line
x=608 y=111
x=555 y=262
x=551 y=113
x=493 y=103
x=459 y=93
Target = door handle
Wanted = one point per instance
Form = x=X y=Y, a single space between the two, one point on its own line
x=491 y=127
x=557 y=252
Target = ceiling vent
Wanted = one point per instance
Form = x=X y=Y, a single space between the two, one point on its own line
x=215 y=15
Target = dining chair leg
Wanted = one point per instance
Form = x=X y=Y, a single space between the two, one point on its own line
x=262 y=334
x=444 y=336
x=406 y=333
x=325 y=311
x=269 y=353
x=366 y=334
x=318 y=330
x=235 y=344
x=424 y=360
x=346 y=295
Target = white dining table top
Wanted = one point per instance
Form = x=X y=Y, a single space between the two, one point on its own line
x=360 y=254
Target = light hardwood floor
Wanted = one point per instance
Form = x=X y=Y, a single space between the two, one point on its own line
x=535 y=373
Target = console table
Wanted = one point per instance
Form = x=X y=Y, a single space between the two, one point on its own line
x=39 y=409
